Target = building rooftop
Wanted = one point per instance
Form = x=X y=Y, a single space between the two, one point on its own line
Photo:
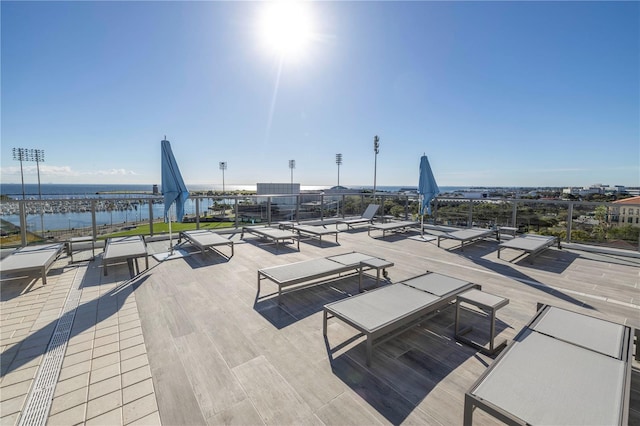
x=189 y=341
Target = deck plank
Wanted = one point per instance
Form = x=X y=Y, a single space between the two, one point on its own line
x=218 y=355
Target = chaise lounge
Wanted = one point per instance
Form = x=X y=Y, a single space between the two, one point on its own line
x=367 y=217
x=125 y=249
x=272 y=234
x=467 y=236
x=311 y=272
x=562 y=368
x=32 y=258
x=530 y=244
x=397 y=226
x=314 y=231
x=383 y=313
x=206 y=239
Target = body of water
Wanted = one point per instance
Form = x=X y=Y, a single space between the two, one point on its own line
x=130 y=206
x=50 y=190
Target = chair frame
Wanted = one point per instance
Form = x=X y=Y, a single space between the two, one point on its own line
x=362 y=263
x=377 y=336
x=137 y=248
x=314 y=231
x=471 y=401
x=399 y=226
x=193 y=238
x=532 y=250
x=467 y=236
x=272 y=234
x=32 y=252
x=367 y=217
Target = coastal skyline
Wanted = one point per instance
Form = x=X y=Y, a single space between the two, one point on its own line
x=532 y=94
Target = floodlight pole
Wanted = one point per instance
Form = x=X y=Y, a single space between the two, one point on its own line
x=292 y=165
x=37 y=155
x=223 y=167
x=338 y=162
x=376 y=150
x=19 y=154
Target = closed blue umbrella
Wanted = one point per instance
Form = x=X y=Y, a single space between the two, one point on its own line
x=173 y=187
x=427 y=186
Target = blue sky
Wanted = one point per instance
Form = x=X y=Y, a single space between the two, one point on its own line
x=495 y=93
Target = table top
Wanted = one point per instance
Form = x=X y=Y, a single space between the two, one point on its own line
x=479 y=297
x=374 y=262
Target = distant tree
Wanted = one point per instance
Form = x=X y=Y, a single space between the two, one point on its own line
x=397 y=210
x=602 y=228
x=625 y=232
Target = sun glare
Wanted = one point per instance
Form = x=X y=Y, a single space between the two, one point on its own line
x=286 y=27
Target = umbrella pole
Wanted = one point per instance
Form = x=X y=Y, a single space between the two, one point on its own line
x=421 y=216
x=170 y=235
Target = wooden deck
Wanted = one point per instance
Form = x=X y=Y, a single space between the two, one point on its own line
x=218 y=355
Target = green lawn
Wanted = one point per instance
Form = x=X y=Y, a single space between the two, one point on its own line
x=163 y=228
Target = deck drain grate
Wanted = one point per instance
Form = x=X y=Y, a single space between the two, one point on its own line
x=36 y=409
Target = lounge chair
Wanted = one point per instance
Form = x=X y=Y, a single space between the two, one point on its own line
x=290 y=224
x=396 y=226
x=466 y=235
x=127 y=249
x=310 y=272
x=563 y=367
x=272 y=234
x=205 y=239
x=314 y=231
x=438 y=229
x=367 y=217
x=529 y=243
x=32 y=258
x=383 y=313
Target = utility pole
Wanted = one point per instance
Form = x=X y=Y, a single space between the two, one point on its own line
x=376 y=149
x=223 y=167
x=292 y=165
x=338 y=162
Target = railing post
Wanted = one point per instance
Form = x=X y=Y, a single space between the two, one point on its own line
x=235 y=208
x=94 y=226
x=406 y=207
x=321 y=207
x=435 y=210
x=151 y=217
x=569 y=221
x=269 y=211
x=514 y=213
x=197 y=213
x=298 y=202
x=470 y=220
x=23 y=223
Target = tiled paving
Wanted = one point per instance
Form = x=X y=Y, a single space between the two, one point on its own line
x=105 y=376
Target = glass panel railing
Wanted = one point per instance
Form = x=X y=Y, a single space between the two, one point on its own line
x=492 y=213
x=451 y=212
x=608 y=225
x=595 y=223
x=542 y=217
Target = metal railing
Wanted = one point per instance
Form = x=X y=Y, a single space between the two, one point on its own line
x=27 y=222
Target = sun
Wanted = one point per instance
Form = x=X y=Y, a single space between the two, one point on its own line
x=286 y=27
